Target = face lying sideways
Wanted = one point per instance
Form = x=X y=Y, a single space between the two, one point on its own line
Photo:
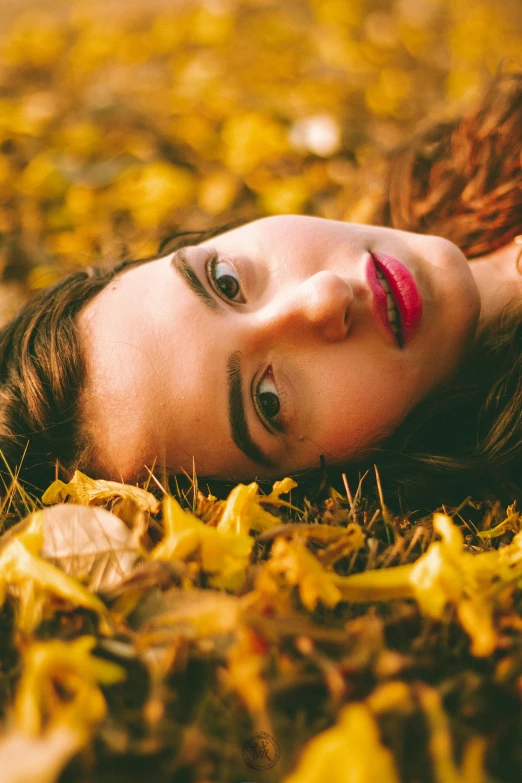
x=261 y=349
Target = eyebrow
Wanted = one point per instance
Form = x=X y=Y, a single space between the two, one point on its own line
x=180 y=263
x=236 y=411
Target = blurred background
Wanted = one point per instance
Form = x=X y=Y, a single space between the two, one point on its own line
x=121 y=122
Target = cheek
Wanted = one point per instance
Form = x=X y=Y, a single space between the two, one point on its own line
x=368 y=407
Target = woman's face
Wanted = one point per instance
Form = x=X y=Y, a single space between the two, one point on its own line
x=267 y=346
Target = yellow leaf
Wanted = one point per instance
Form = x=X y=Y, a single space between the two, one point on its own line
x=351 y=751
x=243 y=510
x=86 y=491
x=37 y=583
x=222 y=553
x=447 y=574
x=196 y=613
x=280 y=488
x=476 y=617
x=300 y=567
x=244 y=673
x=153 y=191
x=56 y=667
x=440 y=741
x=217 y=191
x=381 y=584
x=436 y=580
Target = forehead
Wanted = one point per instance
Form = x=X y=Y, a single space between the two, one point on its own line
x=119 y=350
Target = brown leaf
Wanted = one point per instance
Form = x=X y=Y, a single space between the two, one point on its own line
x=88 y=543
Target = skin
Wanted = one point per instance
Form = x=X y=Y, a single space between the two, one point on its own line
x=158 y=355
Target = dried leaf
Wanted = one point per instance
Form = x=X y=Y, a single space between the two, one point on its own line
x=444 y=768
x=37 y=759
x=279 y=488
x=447 y=574
x=244 y=673
x=38 y=584
x=86 y=491
x=147 y=576
x=90 y=544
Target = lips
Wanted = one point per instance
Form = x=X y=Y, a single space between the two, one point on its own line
x=404 y=291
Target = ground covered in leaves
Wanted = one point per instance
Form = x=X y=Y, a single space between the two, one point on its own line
x=184 y=638
x=248 y=639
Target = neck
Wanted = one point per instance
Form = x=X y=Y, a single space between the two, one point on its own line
x=499 y=281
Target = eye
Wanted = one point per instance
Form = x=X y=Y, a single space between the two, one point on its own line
x=267 y=398
x=225 y=280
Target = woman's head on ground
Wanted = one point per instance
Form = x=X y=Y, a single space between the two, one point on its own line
x=258 y=351
x=48 y=366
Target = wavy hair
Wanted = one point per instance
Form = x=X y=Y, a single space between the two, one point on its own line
x=462 y=179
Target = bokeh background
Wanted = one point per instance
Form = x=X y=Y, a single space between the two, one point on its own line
x=121 y=122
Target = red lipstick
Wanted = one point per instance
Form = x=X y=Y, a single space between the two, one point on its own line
x=380 y=307
x=404 y=291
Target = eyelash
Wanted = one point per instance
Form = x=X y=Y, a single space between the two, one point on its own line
x=269 y=423
x=210 y=269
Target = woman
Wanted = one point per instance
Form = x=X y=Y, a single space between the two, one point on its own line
x=259 y=350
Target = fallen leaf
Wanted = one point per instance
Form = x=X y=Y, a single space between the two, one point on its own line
x=90 y=544
x=26 y=759
x=38 y=585
x=244 y=673
x=351 y=751
x=86 y=491
x=223 y=554
x=59 y=686
x=243 y=510
x=198 y=613
x=298 y=566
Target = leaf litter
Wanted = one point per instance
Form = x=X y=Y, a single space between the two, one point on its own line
x=143 y=629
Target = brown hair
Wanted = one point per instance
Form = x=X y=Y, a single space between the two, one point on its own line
x=460 y=179
x=42 y=371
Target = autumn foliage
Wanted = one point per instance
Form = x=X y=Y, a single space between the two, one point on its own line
x=177 y=636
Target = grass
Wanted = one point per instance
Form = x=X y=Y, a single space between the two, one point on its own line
x=205 y=668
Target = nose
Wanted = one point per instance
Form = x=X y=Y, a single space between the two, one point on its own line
x=320 y=304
